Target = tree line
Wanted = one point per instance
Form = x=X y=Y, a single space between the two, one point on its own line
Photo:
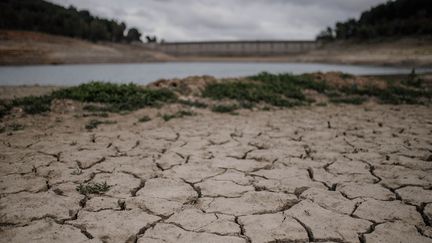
x=391 y=19
x=42 y=16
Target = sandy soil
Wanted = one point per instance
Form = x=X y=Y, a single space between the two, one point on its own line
x=21 y=48
x=338 y=173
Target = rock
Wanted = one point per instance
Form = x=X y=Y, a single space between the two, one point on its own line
x=381 y=211
x=397 y=231
x=248 y=203
x=326 y=225
x=273 y=228
x=172 y=234
x=114 y=226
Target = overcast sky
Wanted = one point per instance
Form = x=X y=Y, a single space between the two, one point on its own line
x=183 y=20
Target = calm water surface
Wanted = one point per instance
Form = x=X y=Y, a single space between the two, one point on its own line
x=144 y=73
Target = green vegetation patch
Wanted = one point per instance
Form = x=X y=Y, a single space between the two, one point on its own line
x=118 y=97
x=112 y=98
x=287 y=90
x=178 y=114
x=93 y=188
x=283 y=90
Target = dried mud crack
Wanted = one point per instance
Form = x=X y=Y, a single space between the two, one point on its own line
x=336 y=173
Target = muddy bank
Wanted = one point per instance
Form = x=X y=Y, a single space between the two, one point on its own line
x=23 y=48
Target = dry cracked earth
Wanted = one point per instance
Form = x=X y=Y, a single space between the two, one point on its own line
x=309 y=174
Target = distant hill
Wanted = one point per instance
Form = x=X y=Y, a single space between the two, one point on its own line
x=400 y=18
x=43 y=16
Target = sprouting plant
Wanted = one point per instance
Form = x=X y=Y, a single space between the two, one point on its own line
x=93 y=188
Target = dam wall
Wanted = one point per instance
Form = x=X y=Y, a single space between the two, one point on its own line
x=235 y=48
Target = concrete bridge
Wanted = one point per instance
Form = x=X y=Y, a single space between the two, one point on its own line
x=235 y=48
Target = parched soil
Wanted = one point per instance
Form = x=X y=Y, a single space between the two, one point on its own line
x=338 y=173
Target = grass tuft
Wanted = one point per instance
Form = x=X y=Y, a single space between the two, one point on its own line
x=224 y=108
x=92 y=124
x=93 y=188
x=178 y=114
x=356 y=100
x=194 y=103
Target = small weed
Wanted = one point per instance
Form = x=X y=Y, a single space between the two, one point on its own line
x=97 y=114
x=144 y=119
x=93 y=188
x=34 y=104
x=178 y=114
x=413 y=80
x=346 y=76
x=349 y=100
x=321 y=104
x=246 y=105
x=224 y=108
x=196 y=104
x=92 y=124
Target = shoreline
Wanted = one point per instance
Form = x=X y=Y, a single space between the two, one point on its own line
x=21 y=48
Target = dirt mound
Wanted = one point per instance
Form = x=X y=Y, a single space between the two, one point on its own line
x=192 y=85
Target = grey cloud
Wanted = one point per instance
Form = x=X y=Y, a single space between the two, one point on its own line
x=182 y=20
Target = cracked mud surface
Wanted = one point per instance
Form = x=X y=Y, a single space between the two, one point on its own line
x=309 y=174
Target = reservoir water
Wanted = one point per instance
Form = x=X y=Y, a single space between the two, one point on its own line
x=144 y=73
